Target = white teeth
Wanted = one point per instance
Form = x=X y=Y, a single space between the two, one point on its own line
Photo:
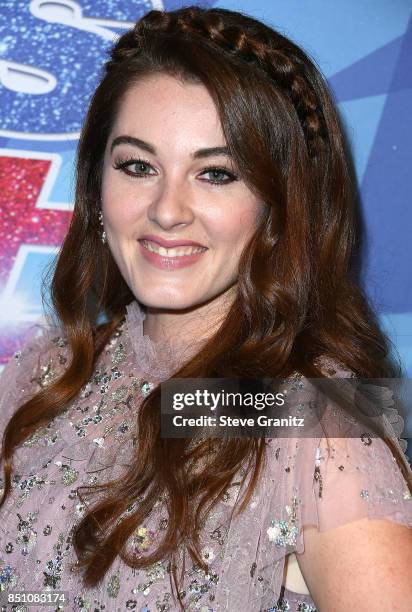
x=174 y=252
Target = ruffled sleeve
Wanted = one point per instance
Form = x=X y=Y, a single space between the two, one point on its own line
x=330 y=480
x=350 y=479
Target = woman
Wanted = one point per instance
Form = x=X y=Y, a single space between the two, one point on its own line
x=213 y=225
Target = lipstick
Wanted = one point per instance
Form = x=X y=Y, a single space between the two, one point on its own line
x=149 y=246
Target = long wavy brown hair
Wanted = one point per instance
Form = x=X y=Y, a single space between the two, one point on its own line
x=297 y=296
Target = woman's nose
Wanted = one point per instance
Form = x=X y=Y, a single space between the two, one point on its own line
x=172 y=205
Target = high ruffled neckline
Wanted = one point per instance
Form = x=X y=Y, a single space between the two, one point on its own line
x=157 y=359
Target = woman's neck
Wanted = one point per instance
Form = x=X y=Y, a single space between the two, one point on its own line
x=189 y=326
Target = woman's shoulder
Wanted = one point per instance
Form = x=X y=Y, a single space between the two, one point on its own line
x=332 y=367
x=32 y=367
x=327 y=368
x=46 y=343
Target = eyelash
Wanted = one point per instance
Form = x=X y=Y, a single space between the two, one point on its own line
x=122 y=164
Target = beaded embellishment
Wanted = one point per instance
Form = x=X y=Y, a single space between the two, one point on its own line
x=282 y=532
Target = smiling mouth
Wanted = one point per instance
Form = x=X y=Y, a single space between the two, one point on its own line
x=172 y=252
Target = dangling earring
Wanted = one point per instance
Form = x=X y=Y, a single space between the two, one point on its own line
x=103 y=234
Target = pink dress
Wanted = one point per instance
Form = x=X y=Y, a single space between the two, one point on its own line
x=92 y=440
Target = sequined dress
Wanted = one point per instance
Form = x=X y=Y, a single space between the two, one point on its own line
x=93 y=440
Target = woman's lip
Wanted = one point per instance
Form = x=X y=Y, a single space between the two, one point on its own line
x=168 y=244
x=169 y=263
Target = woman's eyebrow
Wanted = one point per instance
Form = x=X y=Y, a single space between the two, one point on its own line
x=141 y=144
x=210 y=151
x=132 y=140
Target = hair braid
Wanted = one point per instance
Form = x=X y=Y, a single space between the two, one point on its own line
x=277 y=57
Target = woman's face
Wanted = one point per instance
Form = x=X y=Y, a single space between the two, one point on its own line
x=168 y=180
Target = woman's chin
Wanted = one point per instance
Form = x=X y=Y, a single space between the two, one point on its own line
x=167 y=303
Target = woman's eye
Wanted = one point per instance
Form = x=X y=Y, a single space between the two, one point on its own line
x=135 y=167
x=218 y=176
x=142 y=168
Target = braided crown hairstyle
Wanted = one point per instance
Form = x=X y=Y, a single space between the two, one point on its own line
x=243 y=39
x=296 y=299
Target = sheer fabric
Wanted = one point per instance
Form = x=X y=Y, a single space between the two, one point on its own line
x=303 y=483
